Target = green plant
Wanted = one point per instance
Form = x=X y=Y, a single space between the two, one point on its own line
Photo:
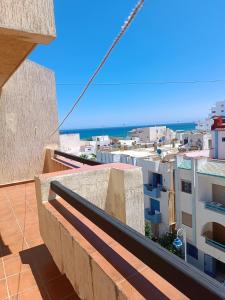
x=166 y=241
x=93 y=156
x=84 y=156
x=148 y=230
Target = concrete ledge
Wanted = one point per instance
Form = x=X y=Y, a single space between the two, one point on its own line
x=115 y=188
x=96 y=265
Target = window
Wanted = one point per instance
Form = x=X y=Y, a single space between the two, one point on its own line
x=192 y=251
x=186 y=186
x=223 y=139
x=186 y=219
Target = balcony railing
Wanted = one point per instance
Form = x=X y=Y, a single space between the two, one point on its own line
x=153 y=255
x=153 y=217
x=215 y=206
x=215 y=244
x=73 y=157
x=152 y=191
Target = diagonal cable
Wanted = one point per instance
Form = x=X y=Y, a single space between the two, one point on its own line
x=123 y=30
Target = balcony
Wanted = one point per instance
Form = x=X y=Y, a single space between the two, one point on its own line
x=215 y=206
x=215 y=244
x=153 y=217
x=151 y=191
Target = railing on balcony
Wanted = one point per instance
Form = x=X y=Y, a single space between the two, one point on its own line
x=152 y=191
x=215 y=244
x=77 y=158
x=152 y=254
x=215 y=206
x=153 y=217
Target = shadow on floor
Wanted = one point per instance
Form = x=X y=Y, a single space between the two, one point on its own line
x=51 y=283
x=4 y=249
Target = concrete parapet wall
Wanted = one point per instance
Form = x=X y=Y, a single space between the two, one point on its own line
x=96 y=265
x=117 y=189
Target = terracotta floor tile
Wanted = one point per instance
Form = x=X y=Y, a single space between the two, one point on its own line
x=15 y=247
x=12 y=239
x=31 y=294
x=59 y=288
x=15 y=266
x=2 y=275
x=21 y=282
x=35 y=242
x=3 y=290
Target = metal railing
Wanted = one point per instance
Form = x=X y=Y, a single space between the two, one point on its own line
x=73 y=157
x=186 y=278
x=219 y=207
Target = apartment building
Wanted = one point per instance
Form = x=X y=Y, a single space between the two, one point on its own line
x=200 y=190
x=158 y=178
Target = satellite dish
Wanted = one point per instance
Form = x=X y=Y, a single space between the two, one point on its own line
x=159 y=151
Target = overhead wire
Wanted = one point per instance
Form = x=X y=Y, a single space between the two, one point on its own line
x=146 y=83
x=92 y=78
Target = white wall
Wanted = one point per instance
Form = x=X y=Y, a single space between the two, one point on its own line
x=204 y=216
x=70 y=143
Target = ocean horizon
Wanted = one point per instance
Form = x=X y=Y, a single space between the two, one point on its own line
x=122 y=132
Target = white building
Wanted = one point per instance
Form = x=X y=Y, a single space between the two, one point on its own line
x=204 y=125
x=152 y=134
x=102 y=140
x=200 y=207
x=196 y=140
x=159 y=194
x=217 y=110
x=70 y=143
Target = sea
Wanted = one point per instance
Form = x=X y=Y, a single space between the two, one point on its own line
x=123 y=131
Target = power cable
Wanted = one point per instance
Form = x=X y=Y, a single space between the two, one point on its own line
x=146 y=83
x=123 y=30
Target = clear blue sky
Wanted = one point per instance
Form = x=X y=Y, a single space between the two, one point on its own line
x=173 y=40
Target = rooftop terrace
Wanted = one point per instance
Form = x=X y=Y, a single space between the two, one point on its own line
x=27 y=270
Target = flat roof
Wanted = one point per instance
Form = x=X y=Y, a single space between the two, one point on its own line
x=214 y=168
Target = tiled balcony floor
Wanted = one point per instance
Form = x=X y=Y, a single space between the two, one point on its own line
x=27 y=270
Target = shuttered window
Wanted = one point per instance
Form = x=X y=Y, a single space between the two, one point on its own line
x=186 y=219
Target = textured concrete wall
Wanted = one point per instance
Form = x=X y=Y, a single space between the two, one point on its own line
x=28 y=115
x=26 y=16
x=117 y=191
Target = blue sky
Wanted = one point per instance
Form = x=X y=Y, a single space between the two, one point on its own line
x=173 y=40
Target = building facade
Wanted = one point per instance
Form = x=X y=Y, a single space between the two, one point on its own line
x=200 y=211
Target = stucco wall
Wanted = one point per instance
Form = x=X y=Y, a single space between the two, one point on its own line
x=28 y=115
x=118 y=191
x=26 y=16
